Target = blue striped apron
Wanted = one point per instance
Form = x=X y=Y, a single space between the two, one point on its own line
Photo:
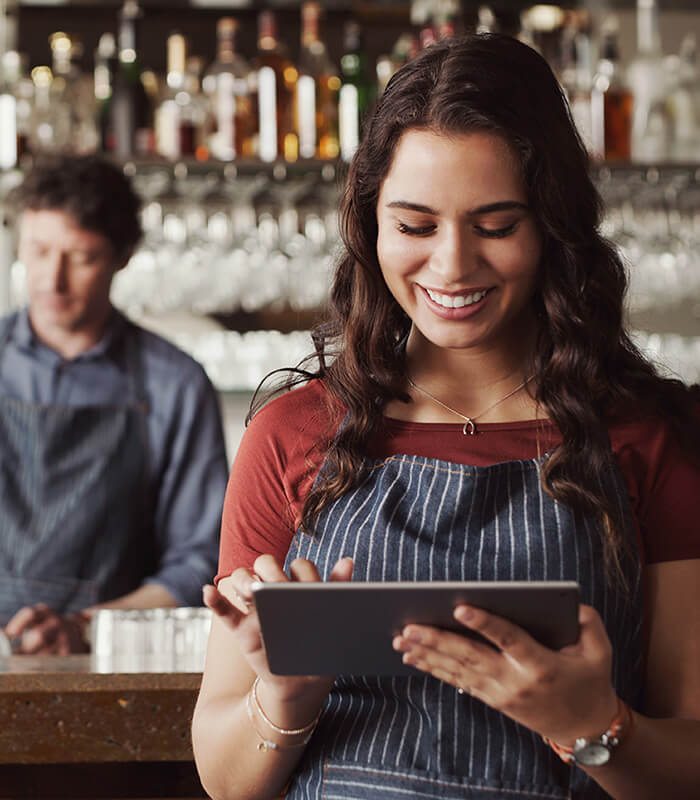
x=415 y=518
x=74 y=521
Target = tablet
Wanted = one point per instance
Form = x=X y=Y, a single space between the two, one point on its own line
x=347 y=628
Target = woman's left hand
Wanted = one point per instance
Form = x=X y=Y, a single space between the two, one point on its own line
x=561 y=694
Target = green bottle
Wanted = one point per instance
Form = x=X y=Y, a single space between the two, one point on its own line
x=356 y=93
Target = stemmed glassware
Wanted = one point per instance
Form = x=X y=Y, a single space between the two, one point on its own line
x=222 y=241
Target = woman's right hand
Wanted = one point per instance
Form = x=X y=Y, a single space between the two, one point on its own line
x=240 y=616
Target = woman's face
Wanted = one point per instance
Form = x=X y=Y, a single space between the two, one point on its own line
x=457 y=245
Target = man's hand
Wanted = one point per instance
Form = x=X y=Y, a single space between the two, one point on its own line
x=41 y=631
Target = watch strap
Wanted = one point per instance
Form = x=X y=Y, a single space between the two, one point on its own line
x=610 y=738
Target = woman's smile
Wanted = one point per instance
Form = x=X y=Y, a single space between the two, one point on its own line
x=455 y=305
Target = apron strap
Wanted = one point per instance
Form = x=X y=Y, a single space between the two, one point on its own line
x=7 y=326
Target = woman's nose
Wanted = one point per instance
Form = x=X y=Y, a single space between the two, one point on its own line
x=454 y=257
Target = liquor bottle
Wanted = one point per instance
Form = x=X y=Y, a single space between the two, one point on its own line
x=18 y=91
x=228 y=86
x=175 y=130
x=317 y=91
x=9 y=151
x=105 y=71
x=611 y=103
x=384 y=69
x=276 y=88
x=46 y=134
x=72 y=93
x=196 y=110
x=575 y=74
x=9 y=26
x=652 y=125
x=428 y=34
x=405 y=48
x=355 y=91
x=684 y=101
x=486 y=20
x=446 y=23
x=131 y=108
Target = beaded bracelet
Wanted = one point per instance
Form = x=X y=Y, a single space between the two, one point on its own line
x=267 y=744
x=622 y=723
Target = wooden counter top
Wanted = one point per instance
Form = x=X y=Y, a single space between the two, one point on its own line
x=58 y=709
x=70 y=730
x=78 y=674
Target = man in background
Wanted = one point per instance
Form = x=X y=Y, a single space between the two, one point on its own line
x=112 y=457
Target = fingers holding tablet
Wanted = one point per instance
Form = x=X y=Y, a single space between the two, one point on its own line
x=268 y=569
x=342 y=571
x=452 y=657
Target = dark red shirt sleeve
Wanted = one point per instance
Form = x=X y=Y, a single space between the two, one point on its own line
x=664 y=488
x=274 y=468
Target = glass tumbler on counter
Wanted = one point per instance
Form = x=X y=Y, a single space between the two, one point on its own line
x=149 y=640
x=5 y=650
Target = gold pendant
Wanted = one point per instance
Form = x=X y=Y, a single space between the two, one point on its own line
x=469 y=428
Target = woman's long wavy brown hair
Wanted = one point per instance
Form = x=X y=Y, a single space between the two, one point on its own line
x=587 y=370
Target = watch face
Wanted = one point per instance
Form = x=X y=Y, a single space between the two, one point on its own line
x=592 y=754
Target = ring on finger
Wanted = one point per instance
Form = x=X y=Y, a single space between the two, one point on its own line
x=463 y=690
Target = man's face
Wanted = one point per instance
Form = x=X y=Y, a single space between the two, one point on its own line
x=69 y=271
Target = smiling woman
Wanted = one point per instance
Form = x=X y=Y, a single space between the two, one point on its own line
x=458 y=247
x=476 y=411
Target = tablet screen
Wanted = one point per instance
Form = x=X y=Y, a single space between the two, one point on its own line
x=347 y=628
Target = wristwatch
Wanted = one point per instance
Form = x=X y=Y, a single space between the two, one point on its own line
x=597 y=750
x=594 y=752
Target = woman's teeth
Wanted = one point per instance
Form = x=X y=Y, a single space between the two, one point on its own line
x=455 y=301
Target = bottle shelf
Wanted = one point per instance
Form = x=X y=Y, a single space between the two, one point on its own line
x=333 y=171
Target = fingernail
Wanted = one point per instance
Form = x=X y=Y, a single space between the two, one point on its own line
x=466 y=613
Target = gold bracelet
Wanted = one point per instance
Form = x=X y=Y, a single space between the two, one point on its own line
x=266 y=744
x=283 y=731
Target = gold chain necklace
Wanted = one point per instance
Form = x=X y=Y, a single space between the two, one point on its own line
x=469 y=422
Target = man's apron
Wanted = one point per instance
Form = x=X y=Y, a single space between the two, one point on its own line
x=74 y=522
x=420 y=519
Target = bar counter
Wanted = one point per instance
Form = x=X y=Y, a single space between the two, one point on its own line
x=70 y=731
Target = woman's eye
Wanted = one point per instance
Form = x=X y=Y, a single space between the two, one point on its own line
x=419 y=231
x=496 y=233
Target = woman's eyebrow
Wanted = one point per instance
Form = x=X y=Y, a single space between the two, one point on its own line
x=411 y=207
x=505 y=205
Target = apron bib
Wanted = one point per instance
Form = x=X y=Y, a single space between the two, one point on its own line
x=418 y=519
x=73 y=515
